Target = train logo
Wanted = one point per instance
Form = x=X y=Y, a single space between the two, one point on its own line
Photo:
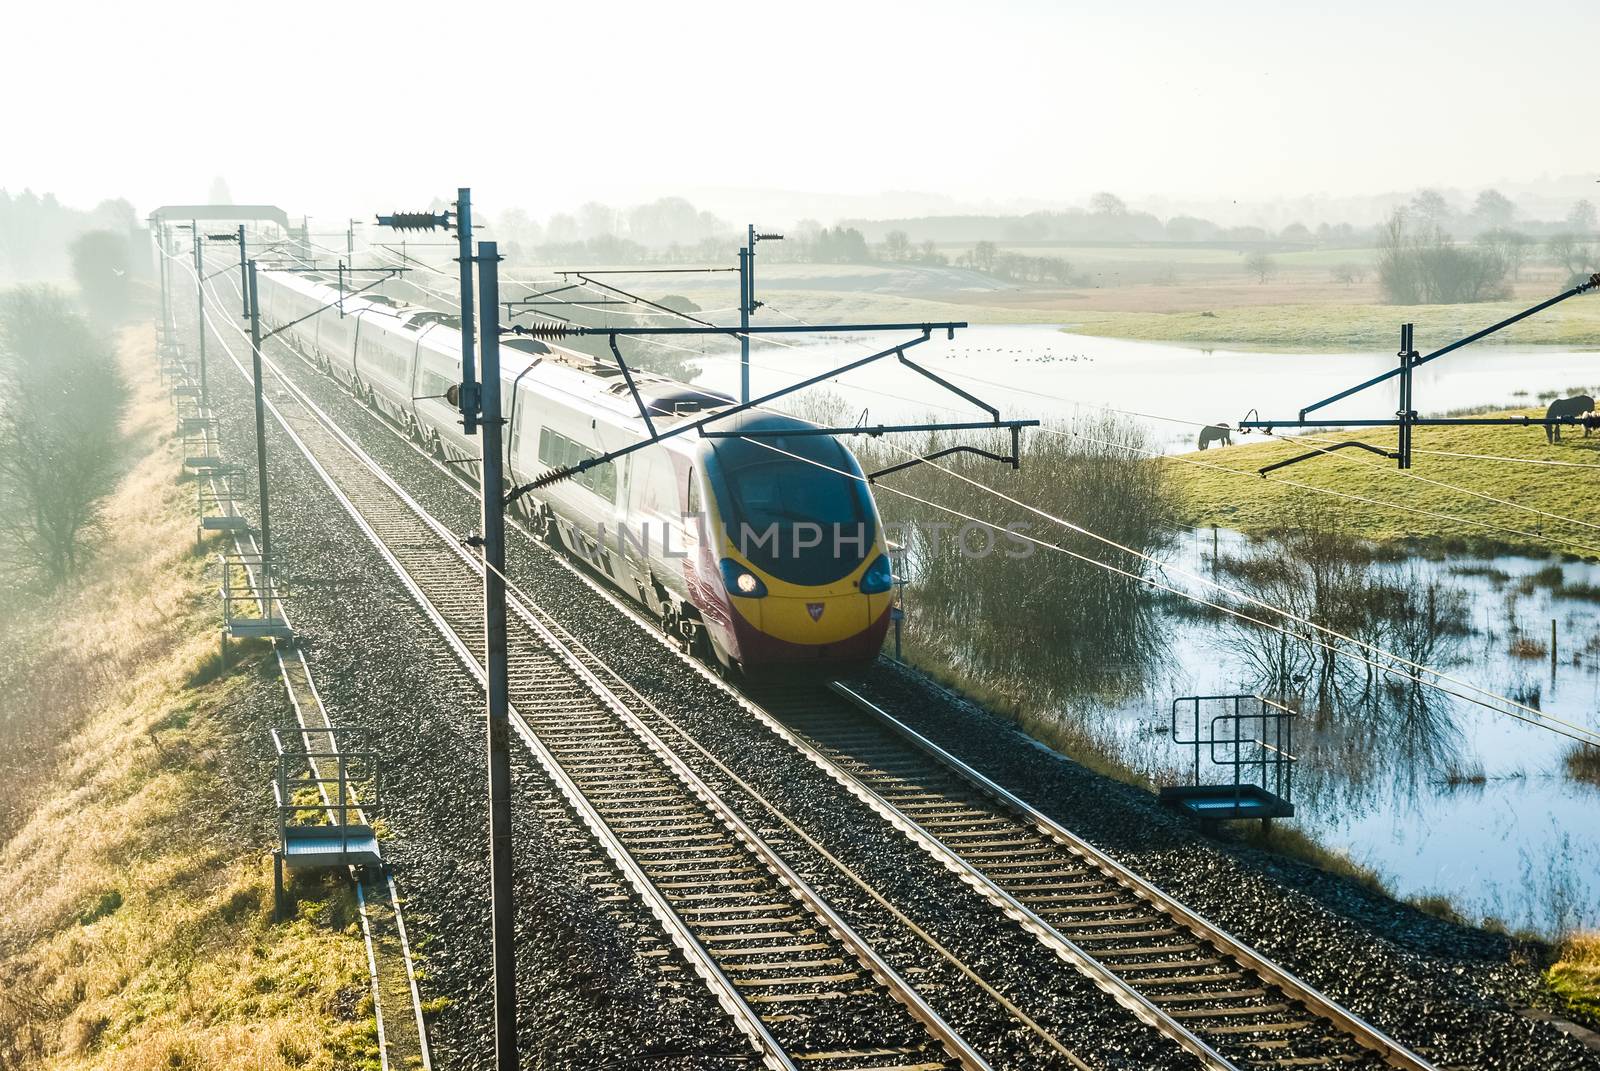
x=815 y=610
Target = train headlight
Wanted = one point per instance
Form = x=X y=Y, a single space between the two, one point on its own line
x=741 y=581
x=879 y=577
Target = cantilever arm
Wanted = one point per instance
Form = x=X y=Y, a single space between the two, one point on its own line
x=1318 y=453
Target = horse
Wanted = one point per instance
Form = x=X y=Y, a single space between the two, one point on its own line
x=1214 y=433
x=1576 y=406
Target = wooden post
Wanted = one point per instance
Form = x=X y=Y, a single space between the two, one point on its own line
x=277 y=884
x=1552 y=647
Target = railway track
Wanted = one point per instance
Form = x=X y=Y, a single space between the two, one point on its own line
x=1218 y=999
x=804 y=988
x=1221 y=1000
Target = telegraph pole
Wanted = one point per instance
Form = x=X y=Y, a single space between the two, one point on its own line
x=261 y=431
x=478 y=398
x=494 y=631
x=469 y=385
x=200 y=314
x=244 y=275
x=166 y=298
x=747 y=301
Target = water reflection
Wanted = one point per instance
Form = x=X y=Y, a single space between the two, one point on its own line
x=1439 y=795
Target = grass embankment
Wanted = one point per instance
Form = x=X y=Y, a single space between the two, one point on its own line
x=1575 y=977
x=1347 y=327
x=1221 y=487
x=136 y=931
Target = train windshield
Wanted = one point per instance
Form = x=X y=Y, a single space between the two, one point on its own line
x=789 y=508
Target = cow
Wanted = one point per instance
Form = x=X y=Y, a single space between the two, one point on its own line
x=1576 y=406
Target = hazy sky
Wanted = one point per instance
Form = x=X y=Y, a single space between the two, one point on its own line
x=336 y=107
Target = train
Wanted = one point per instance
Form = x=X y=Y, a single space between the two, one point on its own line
x=763 y=555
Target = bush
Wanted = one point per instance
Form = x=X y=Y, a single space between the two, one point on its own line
x=100 y=265
x=992 y=614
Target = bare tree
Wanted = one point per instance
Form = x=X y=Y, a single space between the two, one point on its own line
x=1511 y=246
x=896 y=246
x=1573 y=253
x=1107 y=204
x=983 y=255
x=58 y=432
x=1581 y=218
x=1423 y=266
x=1261 y=266
x=1429 y=208
x=1348 y=272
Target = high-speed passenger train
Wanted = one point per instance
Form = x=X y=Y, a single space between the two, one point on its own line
x=759 y=553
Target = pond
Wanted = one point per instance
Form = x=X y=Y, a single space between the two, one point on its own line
x=1038 y=370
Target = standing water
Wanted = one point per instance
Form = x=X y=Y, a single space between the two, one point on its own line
x=1438 y=795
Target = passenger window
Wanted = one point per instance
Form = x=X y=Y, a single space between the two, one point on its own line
x=694 y=495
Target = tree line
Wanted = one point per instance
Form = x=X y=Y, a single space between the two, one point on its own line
x=61 y=398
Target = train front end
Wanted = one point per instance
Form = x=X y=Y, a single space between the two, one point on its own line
x=802 y=570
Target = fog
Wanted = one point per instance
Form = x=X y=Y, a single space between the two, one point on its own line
x=826 y=110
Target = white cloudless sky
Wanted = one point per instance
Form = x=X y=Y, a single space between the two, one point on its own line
x=336 y=107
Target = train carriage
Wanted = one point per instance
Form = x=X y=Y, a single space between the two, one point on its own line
x=765 y=553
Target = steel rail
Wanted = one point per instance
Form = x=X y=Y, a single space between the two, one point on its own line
x=1368 y=1035
x=522 y=606
x=717 y=979
x=744 y=1016
x=1364 y=1033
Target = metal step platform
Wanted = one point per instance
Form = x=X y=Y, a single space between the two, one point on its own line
x=327 y=790
x=1247 y=733
x=202 y=446
x=252 y=600
x=217 y=500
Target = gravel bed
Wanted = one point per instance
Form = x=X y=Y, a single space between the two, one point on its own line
x=590 y=992
x=1448 y=989
x=1083 y=1018
x=1452 y=990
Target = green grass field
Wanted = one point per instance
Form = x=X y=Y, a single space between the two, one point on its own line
x=1221 y=487
x=1348 y=327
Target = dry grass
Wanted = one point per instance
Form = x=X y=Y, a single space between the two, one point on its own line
x=144 y=938
x=1575 y=977
x=1583 y=763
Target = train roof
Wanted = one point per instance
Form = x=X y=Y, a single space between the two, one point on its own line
x=603 y=384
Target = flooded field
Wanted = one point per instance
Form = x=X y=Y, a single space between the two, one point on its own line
x=1438 y=795
x=1038 y=370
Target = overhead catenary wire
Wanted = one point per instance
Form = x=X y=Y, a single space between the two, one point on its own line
x=1311 y=441
x=1487 y=701
x=1306 y=440
x=1531 y=717
x=1239 y=594
x=1536 y=714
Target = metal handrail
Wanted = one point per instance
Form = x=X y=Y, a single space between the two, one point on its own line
x=1274 y=756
